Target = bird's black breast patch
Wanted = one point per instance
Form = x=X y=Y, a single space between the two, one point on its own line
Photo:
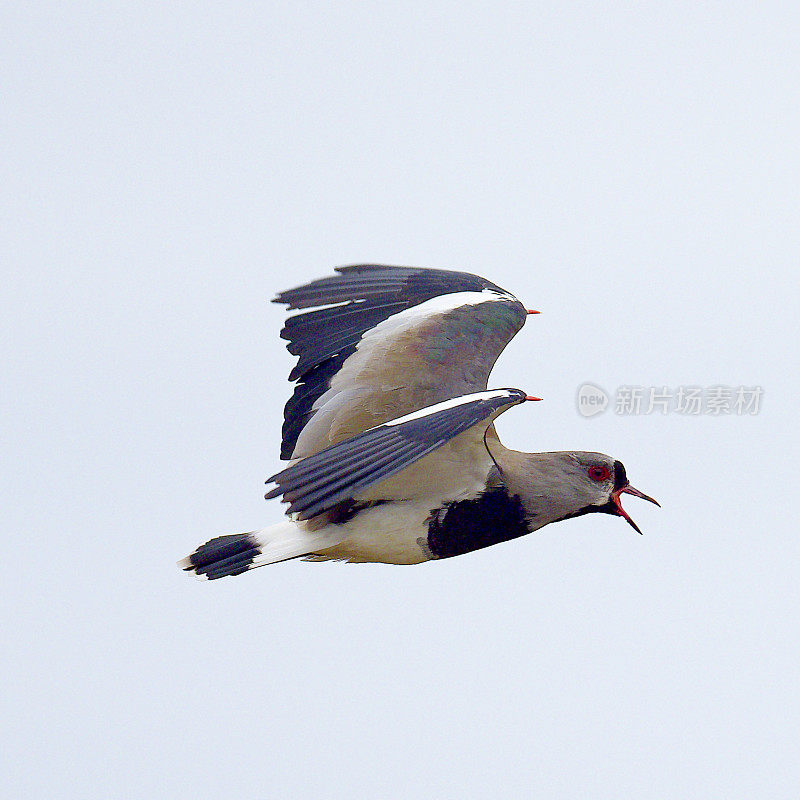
x=466 y=525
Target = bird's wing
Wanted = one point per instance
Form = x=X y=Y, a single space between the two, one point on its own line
x=387 y=341
x=447 y=439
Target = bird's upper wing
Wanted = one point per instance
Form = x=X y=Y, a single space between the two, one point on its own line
x=447 y=440
x=384 y=342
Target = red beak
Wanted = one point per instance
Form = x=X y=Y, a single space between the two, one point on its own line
x=628 y=489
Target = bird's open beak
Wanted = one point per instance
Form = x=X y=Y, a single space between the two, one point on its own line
x=628 y=489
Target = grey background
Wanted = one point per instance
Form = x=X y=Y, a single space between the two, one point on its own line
x=630 y=170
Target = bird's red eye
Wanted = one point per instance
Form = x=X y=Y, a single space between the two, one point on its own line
x=599 y=473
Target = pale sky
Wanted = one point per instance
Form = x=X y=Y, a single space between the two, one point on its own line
x=631 y=172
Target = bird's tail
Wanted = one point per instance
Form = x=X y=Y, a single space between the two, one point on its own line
x=239 y=552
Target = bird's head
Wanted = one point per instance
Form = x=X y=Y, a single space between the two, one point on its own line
x=569 y=484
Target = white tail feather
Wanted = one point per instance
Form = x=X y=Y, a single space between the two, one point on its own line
x=288 y=540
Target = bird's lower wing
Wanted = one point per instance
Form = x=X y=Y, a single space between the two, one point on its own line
x=320 y=482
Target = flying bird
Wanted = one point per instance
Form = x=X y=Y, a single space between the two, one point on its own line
x=393 y=452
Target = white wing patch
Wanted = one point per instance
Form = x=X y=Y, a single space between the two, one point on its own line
x=456 y=401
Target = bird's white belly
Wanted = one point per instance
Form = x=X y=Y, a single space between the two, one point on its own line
x=390 y=533
x=395 y=531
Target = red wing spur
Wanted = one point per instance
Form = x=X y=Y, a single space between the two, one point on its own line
x=389 y=433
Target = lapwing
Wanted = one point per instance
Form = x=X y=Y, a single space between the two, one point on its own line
x=393 y=452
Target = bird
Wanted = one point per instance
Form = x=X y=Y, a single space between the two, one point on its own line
x=389 y=433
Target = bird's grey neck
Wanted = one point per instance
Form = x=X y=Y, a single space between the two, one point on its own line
x=538 y=480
